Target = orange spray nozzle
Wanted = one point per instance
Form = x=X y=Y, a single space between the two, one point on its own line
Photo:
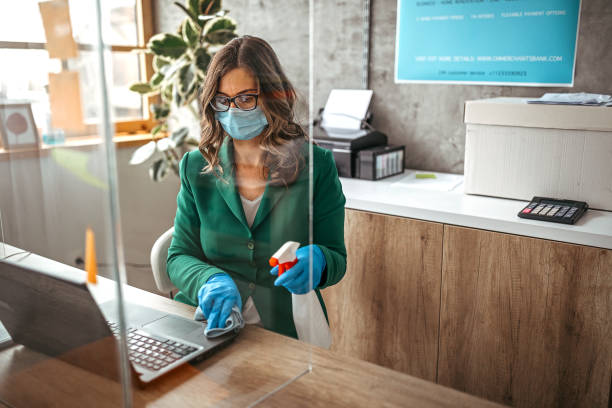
x=285 y=257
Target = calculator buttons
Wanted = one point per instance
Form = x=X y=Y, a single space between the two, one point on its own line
x=538 y=209
x=562 y=211
x=529 y=208
x=546 y=210
x=552 y=212
x=571 y=212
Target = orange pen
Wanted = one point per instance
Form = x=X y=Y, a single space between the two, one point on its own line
x=91 y=265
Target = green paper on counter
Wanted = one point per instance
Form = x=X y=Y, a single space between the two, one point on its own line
x=425 y=176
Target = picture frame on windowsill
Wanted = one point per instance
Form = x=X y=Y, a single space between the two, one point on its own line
x=17 y=127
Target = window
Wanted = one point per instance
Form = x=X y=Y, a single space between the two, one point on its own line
x=26 y=64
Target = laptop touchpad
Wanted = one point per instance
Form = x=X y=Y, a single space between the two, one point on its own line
x=175 y=327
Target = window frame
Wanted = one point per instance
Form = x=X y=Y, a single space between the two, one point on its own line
x=144 y=28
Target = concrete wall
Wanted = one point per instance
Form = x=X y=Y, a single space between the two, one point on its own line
x=426 y=118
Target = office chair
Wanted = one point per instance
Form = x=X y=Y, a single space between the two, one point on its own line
x=159 y=253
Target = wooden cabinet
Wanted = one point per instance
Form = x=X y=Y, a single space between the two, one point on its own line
x=386 y=309
x=524 y=321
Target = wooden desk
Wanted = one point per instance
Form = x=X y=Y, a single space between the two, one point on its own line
x=255 y=364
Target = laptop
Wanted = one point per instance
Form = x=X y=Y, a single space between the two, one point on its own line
x=56 y=314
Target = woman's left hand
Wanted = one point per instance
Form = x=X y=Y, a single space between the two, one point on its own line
x=296 y=279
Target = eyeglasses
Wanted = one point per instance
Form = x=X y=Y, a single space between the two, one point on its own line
x=245 y=102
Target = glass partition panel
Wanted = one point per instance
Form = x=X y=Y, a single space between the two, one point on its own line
x=174 y=268
x=58 y=216
x=338 y=55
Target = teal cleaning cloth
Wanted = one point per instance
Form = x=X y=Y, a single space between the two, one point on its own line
x=234 y=323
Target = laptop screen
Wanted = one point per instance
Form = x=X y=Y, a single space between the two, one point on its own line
x=47 y=313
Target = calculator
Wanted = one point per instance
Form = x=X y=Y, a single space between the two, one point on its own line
x=554 y=210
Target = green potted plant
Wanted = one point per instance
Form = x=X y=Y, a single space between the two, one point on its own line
x=180 y=61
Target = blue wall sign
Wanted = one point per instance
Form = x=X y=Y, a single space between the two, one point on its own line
x=491 y=42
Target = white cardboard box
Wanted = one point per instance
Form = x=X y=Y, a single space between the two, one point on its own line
x=519 y=150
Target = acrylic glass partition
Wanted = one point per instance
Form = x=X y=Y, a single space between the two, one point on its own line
x=98 y=295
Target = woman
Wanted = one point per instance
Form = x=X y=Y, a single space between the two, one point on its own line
x=245 y=193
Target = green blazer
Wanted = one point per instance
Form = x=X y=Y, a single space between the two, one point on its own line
x=211 y=234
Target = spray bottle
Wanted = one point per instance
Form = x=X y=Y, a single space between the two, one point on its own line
x=308 y=315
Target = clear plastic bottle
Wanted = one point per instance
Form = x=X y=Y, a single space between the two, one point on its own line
x=52 y=136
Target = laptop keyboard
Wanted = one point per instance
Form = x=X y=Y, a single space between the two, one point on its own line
x=151 y=351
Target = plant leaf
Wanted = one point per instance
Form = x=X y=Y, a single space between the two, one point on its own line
x=175 y=66
x=175 y=167
x=179 y=135
x=191 y=34
x=177 y=97
x=158 y=169
x=187 y=11
x=220 y=30
x=220 y=37
x=160 y=111
x=221 y=13
x=157 y=129
x=194 y=11
x=208 y=7
x=159 y=63
x=156 y=79
x=191 y=94
x=167 y=45
x=165 y=144
x=141 y=88
x=204 y=19
x=202 y=59
x=187 y=78
x=219 y=23
x=167 y=92
x=194 y=6
x=143 y=153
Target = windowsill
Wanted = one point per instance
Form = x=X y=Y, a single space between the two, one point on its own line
x=121 y=141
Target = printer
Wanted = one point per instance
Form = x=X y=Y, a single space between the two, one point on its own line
x=345 y=146
x=343 y=127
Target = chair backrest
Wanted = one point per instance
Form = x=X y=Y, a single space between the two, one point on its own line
x=159 y=253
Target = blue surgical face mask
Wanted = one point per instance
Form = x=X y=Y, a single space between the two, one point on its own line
x=242 y=125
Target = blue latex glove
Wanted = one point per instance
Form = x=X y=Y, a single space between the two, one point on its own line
x=296 y=279
x=216 y=299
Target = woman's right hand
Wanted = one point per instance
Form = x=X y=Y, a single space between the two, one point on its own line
x=216 y=299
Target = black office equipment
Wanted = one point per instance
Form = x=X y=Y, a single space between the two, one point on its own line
x=554 y=210
x=346 y=144
x=380 y=162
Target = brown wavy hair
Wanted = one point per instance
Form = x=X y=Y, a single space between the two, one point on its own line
x=283 y=138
